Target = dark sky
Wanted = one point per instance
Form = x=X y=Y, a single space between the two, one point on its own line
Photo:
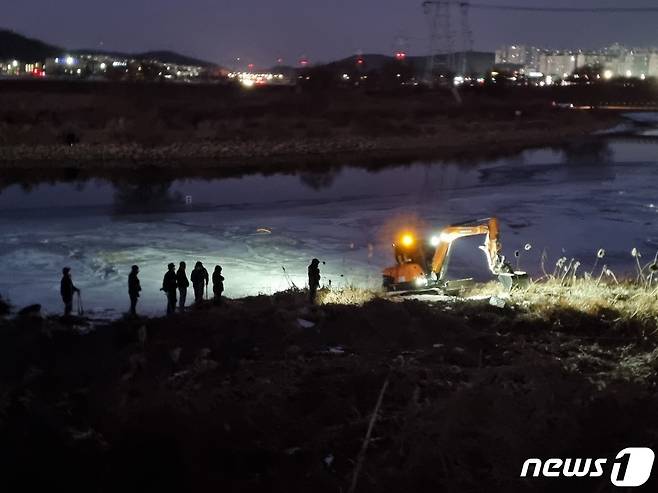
x=262 y=30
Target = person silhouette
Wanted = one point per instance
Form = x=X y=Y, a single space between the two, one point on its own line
x=169 y=285
x=134 y=287
x=313 y=279
x=66 y=289
x=183 y=283
x=218 y=283
x=199 y=278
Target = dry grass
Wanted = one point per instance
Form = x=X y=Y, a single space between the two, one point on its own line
x=615 y=303
x=350 y=295
x=588 y=296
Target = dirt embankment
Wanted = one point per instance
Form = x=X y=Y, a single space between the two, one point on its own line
x=265 y=394
x=100 y=128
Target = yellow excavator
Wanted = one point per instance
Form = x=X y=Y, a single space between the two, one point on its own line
x=423 y=265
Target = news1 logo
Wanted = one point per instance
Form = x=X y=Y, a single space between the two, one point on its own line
x=631 y=467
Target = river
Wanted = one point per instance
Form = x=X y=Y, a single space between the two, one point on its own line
x=568 y=202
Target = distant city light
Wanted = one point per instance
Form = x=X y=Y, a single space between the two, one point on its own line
x=70 y=60
x=103 y=66
x=250 y=79
x=565 y=64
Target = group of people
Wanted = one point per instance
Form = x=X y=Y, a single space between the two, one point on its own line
x=175 y=284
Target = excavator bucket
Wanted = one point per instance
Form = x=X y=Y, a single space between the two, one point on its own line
x=517 y=280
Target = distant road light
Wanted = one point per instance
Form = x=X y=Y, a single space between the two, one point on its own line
x=608 y=74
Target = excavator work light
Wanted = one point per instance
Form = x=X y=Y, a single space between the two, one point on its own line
x=407 y=240
x=420 y=282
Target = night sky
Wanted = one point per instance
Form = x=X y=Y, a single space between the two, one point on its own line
x=260 y=31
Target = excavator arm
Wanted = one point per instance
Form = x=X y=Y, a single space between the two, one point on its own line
x=491 y=247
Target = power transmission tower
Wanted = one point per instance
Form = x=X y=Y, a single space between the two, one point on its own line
x=466 y=36
x=441 y=56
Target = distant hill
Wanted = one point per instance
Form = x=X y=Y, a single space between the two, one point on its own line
x=472 y=62
x=172 y=57
x=370 y=61
x=162 y=56
x=17 y=46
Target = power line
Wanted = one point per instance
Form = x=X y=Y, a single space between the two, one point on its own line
x=568 y=10
x=573 y=10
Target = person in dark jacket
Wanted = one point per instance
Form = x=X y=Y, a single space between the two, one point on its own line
x=217 y=283
x=199 y=279
x=183 y=284
x=134 y=287
x=66 y=289
x=313 y=279
x=169 y=285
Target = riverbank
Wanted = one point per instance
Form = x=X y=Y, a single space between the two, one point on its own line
x=216 y=160
x=268 y=394
x=224 y=133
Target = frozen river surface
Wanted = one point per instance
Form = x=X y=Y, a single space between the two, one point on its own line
x=570 y=202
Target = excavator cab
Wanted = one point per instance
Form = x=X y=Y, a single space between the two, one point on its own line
x=412 y=261
x=422 y=266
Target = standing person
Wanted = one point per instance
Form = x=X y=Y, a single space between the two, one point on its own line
x=66 y=289
x=134 y=287
x=183 y=283
x=218 y=283
x=199 y=278
x=313 y=279
x=169 y=287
